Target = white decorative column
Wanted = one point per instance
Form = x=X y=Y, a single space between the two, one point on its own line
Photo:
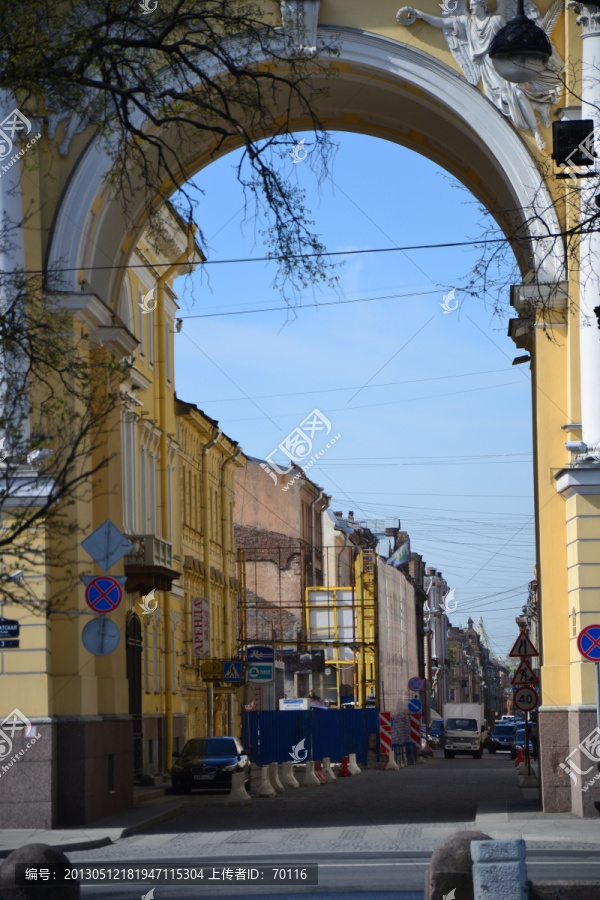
x=300 y=19
x=589 y=249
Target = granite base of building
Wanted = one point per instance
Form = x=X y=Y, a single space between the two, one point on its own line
x=73 y=771
x=574 y=788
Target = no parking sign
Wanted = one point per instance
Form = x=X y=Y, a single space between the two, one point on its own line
x=588 y=643
x=103 y=594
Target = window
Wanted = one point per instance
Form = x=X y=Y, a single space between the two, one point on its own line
x=129 y=474
x=168 y=330
x=143 y=492
x=169 y=536
x=140 y=321
x=173 y=654
x=155 y=660
x=151 y=495
x=150 y=338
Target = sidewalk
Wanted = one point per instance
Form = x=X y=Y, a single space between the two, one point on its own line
x=538 y=830
x=152 y=807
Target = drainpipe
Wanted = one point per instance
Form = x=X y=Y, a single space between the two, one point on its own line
x=210 y=693
x=227 y=613
x=312 y=536
x=160 y=338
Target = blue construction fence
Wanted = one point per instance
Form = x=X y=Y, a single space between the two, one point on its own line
x=272 y=735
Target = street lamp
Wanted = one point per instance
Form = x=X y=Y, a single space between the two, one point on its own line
x=520 y=50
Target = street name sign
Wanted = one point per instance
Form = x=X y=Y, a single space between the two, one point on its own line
x=9 y=634
x=524 y=674
x=526 y=699
x=588 y=643
x=260 y=673
x=523 y=646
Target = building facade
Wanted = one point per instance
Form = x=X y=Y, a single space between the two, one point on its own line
x=208 y=460
x=279 y=539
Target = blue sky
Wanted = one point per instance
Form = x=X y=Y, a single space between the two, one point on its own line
x=440 y=436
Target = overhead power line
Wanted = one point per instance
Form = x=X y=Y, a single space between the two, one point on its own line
x=252 y=259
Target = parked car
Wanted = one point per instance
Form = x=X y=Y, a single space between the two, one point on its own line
x=209 y=763
x=519 y=741
x=501 y=737
x=436 y=730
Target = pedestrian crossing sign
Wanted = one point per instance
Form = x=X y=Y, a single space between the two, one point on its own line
x=232 y=671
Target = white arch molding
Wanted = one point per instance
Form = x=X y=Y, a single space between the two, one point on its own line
x=387 y=89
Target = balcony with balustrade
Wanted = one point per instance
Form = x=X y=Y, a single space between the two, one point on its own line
x=149 y=564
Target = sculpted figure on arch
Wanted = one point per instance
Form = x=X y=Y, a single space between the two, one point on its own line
x=469 y=34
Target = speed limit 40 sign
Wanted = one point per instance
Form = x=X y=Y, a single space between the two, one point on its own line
x=526 y=699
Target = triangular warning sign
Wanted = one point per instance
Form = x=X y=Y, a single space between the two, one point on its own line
x=231 y=674
x=524 y=674
x=523 y=646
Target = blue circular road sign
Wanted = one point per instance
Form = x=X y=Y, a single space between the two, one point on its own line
x=103 y=594
x=415 y=684
x=415 y=705
x=588 y=643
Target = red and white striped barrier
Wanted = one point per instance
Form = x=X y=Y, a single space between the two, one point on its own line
x=415 y=729
x=385 y=733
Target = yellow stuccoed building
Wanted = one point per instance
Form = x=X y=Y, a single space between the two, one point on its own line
x=207 y=463
x=425 y=83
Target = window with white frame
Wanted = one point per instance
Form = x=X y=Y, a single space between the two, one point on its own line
x=151 y=494
x=143 y=491
x=169 y=536
x=140 y=322
x=155 y=660
x=168 y=330
x=150 y=319
x=128 y=461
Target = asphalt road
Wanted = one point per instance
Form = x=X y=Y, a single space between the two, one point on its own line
x=370 y=835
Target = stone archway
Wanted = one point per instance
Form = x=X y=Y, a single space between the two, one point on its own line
x=390 y=90
x=394 y=92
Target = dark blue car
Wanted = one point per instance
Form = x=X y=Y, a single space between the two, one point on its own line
x=209 y=763
x=436 y=729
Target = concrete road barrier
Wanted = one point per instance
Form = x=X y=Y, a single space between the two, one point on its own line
x=353 y=765
x=327 y=770
x=274 y=777
x=288 y=779
x=238 y=796
x=265 y=789
x=310 y=779
x=390 y=764
x=319 y=772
